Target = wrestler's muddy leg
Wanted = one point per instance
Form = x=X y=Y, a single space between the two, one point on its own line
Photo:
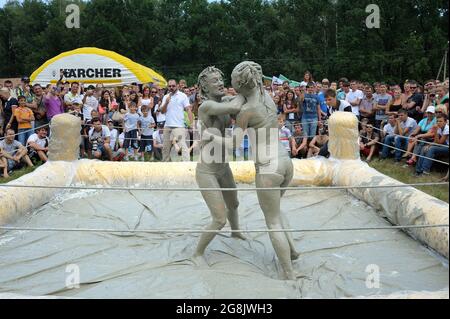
x=270 y=205
x=232 y=202
x=284 y=220
x=216 y=204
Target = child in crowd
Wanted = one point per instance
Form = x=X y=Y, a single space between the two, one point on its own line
x=146 y=126
x=131 y=131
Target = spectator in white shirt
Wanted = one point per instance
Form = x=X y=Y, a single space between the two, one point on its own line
x=173 y=106
x=73 y=95
x=38 y=145
x=114 y=135
x=389 y=128
x=116 y=142
x=99 y=136
x=90 y=102
x=146 y=125
x=404 y=127
x=158 y=142
x=354 y=97
x=131 y=130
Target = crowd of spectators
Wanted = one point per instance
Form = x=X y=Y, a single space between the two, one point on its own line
x=406 y=121
x=145 y=122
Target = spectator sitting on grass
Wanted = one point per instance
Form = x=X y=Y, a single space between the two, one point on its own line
x=432 y=151
x=38 y=145
x=299 y=143
x=14 y=151
x=423 y=132
x=368 y=142
x=318 y=145
x=363 y=129
x=116 y=142
x=389 y=128
x=3 y=165
x=404 y=127
x=99 y=136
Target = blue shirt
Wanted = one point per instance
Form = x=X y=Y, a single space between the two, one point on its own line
x=130 y=121
x=310 y=106
x=424 y=127
x=340 y=95
x=323 y=104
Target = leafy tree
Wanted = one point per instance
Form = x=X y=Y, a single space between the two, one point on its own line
x=179 y=38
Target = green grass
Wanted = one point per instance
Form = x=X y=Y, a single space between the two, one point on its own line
x=18 y=173
x=405 y=174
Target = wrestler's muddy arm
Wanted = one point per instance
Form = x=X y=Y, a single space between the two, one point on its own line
x=218 y=140
x=227 y=106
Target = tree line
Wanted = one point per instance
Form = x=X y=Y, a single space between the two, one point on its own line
x=178 y=38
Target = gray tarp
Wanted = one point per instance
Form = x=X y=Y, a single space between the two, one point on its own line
x=158 y=265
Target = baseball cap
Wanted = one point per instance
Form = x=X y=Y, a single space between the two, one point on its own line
x=25 y=79
x=431 y=109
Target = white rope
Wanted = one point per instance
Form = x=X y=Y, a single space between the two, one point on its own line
x=196 y=130
x=179 y=189
x=419 y=141
x=208 y=231
x=405 y=151
x=30 y=130
x=17 y=150
x=418 y=155
x=189 y=140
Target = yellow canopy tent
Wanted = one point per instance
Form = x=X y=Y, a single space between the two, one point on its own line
x=93 y=65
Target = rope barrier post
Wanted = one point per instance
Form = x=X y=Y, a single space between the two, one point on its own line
x=65 y=140
x=343 y=136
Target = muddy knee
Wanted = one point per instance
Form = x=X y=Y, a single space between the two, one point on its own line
x=219 y=222
x=232 y=204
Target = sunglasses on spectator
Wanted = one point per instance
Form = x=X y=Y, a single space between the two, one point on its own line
x=413 y=87
x=127 y=95
x=154 y=92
